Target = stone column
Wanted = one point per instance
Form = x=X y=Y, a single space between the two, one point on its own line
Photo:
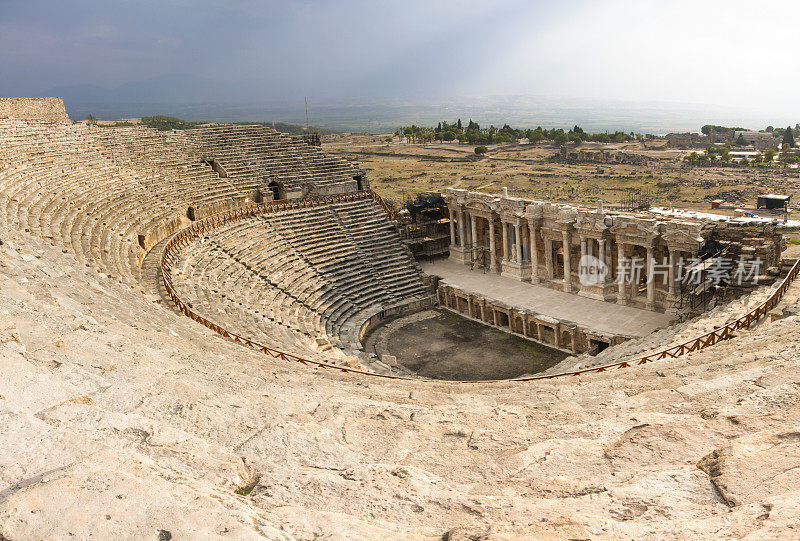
x=461 y=228
x=621 y=293
x=525 y=242
x=518 y=238
x=634 y=293
x=651 y=283
x=505 y=241
x=567 y=263
x=534 y=255
x=452 y=229
x=671 y=276
x=492 y=250
x=584 y=252
x=602 y=256
x=548 y=258
x=474 y=232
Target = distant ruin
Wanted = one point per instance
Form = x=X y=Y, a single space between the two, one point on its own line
x=600 y=156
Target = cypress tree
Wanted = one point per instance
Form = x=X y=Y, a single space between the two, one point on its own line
x=788 y=138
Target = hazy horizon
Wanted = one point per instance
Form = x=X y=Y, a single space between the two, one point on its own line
x=637 y=66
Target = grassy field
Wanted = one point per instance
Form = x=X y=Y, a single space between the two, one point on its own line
x=398 y=171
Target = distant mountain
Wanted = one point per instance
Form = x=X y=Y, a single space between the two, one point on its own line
x=198 y=98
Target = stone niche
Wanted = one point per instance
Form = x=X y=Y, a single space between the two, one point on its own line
x=50 y=109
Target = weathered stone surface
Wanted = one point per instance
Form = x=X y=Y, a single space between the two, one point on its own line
x=138 y=421
x=752 y=467
x=51 y=109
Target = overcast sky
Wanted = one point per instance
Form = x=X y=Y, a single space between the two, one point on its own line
x=737 y=54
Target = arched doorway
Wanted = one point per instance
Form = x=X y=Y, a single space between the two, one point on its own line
x=359 y=182
x=558 y=258
x=277 y=190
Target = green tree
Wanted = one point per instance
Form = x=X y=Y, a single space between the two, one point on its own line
x=788 y=138
x=741 y=141
x=167 y=123
x=480 y=150
x=787 y=156
x=769 y=155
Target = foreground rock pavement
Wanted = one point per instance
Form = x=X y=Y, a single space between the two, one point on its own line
x=122 y=419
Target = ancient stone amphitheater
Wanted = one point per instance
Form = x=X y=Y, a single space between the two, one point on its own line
x=120 y=417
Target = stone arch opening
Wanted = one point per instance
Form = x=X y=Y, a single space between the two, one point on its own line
x=639 y=265
x=359 y=182
x=276 y=190
x=558 y=258
x=596 y=345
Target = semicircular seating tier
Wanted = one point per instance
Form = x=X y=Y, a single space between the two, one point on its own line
x=317 y=273
x=109 y=195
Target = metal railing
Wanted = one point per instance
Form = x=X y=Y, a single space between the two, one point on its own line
x=391 y=213
x=182 y=238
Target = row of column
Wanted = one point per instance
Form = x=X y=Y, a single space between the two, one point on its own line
x=513 y=235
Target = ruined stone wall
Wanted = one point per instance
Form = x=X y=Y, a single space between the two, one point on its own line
x=600 y=156
x=752 y=242
x=555 y=238
x=561 y=334
x=51 y=109
x=686 y=140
